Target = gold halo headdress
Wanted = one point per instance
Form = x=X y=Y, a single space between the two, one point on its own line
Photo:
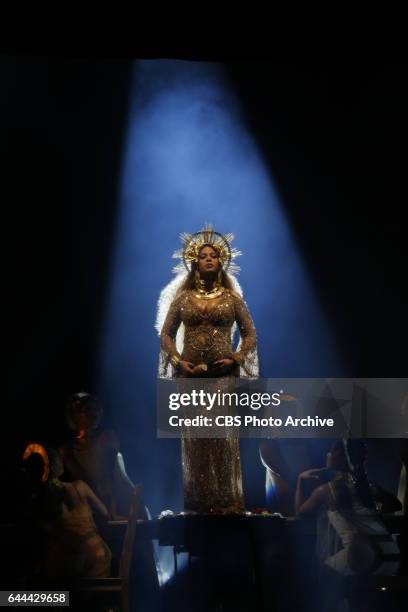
x=38 y=449
x=193 y=243
x=191 y=246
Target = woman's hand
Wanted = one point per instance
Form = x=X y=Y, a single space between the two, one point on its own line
x=311 y=474
x=186 y=367
x=225 y=364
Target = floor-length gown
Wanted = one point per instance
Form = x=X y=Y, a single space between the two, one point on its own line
x=212 y=477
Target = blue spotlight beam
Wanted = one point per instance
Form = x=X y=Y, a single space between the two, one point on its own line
x=189 y=159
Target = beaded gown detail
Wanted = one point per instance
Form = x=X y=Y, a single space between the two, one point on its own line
x=211 y=467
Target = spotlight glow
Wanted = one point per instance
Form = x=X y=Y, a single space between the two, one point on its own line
x=189 y=159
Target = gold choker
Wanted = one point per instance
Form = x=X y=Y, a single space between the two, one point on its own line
x=203 y=294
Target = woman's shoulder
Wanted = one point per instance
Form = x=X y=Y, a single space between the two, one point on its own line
x=324 y=488
x=181 y=295
x=237 y=299
x=234 y=295
x=322 y=491
x=79 y=486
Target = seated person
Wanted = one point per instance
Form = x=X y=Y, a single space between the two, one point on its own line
x=92 y=455
x=73 y=546
x=358 y=541
x=283 y=459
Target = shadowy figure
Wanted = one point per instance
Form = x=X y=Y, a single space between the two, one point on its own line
x=283 y=459
x=72 y=545
x=92 y=455
x=352 y=538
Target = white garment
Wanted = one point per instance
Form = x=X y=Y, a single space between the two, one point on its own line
x=361 y=528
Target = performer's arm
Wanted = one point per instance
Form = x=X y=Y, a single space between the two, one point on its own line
x=246 y=329
x=169 y=331
x=307 y=504
x=96 y=504
x=313 y=502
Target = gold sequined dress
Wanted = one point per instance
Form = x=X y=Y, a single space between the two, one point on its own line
x=211 y=467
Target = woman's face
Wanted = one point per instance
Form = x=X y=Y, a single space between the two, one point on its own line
x=208 y=261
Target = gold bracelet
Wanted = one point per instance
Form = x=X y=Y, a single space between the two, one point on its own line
x=175 y=361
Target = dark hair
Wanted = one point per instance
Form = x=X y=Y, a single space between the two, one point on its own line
x=354 y=453
x=48 y=496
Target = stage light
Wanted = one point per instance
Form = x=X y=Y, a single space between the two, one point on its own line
x=190 y=158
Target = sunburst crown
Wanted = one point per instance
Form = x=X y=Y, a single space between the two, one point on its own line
x=193 y=243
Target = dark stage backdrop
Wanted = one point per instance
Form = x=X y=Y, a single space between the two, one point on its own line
x=333 y=140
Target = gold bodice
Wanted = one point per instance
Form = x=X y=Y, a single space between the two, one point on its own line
x=208 y=323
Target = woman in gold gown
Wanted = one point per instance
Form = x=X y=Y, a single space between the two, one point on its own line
x=206 y=305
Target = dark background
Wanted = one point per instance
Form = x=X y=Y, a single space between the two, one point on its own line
x=334 y=138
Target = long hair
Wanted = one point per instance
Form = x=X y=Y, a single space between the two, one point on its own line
x=352 y=454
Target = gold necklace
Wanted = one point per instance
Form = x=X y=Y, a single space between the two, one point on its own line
x=203 y=294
